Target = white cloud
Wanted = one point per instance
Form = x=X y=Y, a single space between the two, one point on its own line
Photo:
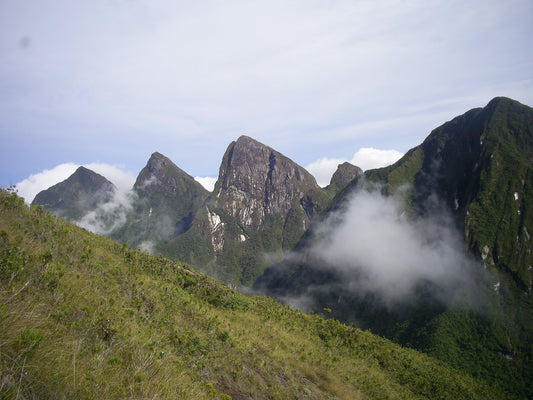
x=365 y=158
x=370 y=158
x=379 y=249
x=208 y=182
x=110 y=215
x=31 y=186
x=323 y=169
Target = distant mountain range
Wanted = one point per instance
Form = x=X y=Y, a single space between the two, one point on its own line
x=262 y=203
x=471 y=178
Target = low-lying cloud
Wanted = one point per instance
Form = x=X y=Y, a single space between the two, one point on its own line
x=377 y=248
x=110 y=215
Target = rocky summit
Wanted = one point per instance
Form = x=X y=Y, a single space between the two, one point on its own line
x=344 y=174
x=164 y=199
x=257 y=182
x=262 y=203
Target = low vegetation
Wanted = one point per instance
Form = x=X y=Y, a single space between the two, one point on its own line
x=84 y=317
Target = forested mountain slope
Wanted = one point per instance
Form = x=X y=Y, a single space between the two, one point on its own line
x=466 y=196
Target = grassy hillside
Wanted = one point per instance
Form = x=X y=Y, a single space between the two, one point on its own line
x=84 y=317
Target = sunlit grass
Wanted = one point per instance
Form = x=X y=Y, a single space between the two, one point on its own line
x=84 y=317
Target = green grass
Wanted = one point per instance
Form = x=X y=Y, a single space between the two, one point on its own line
x=84 y=317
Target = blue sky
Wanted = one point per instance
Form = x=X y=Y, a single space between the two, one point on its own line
x=111 y=81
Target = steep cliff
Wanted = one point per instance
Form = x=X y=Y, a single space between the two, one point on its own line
x=480 y=166
x=256 y=182
x=262 y=204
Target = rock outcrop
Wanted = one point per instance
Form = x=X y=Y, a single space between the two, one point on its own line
x=256 y=183
x=262 y=204
x=344 y=174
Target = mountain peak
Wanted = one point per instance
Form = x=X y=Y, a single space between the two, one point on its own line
x=247 y=145
x=76 y=195
x=162 y=172
x=500 y=100
x=246 y=139
x=157 y=156
x=264 y=182
x=165 y=199
x=344 y=174
x=83 y=170
x=82 y=174
x=158 y=161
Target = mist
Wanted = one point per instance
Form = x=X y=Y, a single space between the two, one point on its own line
x=110 y=215
x=378 y=248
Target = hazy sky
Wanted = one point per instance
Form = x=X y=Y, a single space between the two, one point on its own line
x=111 y=81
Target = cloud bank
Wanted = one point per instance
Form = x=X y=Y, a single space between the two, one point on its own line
x=378 y=249
x=365 y=158
x=108 y=216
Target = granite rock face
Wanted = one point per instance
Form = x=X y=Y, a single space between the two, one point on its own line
x=262 y=204
x=256 y=182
